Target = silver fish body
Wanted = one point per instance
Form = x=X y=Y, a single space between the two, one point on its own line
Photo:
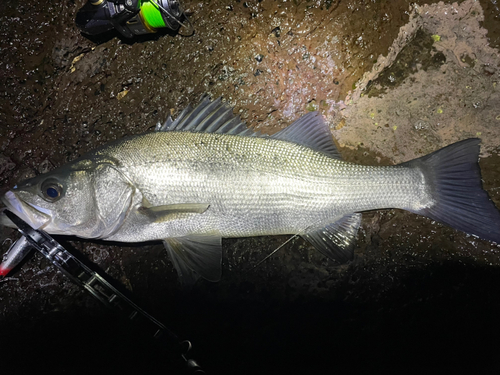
x=205 y=176
x=251 y=186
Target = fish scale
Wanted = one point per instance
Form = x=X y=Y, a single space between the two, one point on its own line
x=256 y=186
x=206 y=176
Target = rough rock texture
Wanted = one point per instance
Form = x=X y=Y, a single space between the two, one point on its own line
x=394 y=80
x=437 y=85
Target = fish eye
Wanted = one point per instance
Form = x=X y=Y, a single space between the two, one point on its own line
x=51 y=191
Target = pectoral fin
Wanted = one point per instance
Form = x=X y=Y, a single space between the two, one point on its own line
x=168 y=211
x=195 y=256
x=336 y=240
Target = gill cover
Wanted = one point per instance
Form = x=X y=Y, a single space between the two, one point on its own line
x=113 y=199
x=84 y=199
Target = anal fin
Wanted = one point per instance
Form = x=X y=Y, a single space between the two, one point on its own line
x=196 y=256
x=336 y=240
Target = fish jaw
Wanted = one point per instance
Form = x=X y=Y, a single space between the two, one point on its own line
x=37 y=217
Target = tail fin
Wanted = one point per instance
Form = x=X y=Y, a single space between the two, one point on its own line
x=459 y=199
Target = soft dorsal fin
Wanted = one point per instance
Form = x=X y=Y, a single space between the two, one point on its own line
x=336 y=240
x=310 y=130
x=208 y=117
x=216 y=117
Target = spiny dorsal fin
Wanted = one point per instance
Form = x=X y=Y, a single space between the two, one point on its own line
x=336 y=240
x=208 y=117
x=310 y=130
x=217 y=117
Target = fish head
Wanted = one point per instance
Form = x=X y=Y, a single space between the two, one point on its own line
x=84 y=199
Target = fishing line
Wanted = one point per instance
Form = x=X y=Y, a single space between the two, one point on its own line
x=101 y=286
x=272 y=253
x=175 y=18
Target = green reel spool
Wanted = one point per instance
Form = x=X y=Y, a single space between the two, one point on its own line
x=151 y=15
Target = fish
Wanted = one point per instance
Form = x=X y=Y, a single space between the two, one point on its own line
x=207 y=176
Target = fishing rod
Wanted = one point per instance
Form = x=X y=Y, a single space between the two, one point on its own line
x=96 y=282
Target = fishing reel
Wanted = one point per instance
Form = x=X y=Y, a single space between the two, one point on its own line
x=129 y=17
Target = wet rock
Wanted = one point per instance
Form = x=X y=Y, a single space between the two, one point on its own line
x=45 y=166
x=5 y=164
x=413 y=284
x=276 y=32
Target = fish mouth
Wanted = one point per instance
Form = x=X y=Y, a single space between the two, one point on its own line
x=37 y=217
